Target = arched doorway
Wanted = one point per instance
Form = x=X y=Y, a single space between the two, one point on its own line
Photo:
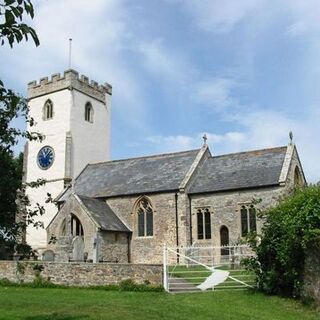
x=224 y=240
x=76 y=226
x=77 y=241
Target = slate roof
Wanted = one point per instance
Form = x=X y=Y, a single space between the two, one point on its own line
x=239 y=171
x=157 y=173
x=103 y=215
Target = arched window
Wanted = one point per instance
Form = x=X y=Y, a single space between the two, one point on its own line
x=48 y=110
x=76 y=226
x=88 y=112
x=224 y=240
x=204 y=224
x=145 y=218
x=248 y=219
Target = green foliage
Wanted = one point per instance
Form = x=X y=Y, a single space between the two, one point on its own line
x=24 y=250
x=289 y=229
x=38 y=268
x=13 y=216
x=130 y=285
x=12 y=27
x=40 y=282
x=21 y=268
x=20 y=271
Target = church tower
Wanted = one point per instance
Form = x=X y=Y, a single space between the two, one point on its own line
x=74 y=116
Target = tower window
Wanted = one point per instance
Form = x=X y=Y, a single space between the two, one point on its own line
x=88 y=112
x=248 y=219
x=145 y=218
x=48 y=110
x=204 y=224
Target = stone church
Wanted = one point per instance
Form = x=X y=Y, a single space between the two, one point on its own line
x=127 y=210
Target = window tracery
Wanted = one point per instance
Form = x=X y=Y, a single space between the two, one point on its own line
x=48 y=110
x=145 y=218
x=204 y=224
x=248 y=219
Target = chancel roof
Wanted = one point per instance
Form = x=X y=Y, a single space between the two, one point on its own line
x=239 y=171
x=149 y=174
x=103 y=215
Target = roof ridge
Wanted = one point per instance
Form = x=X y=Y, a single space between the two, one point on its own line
x=250 y=151
x=143 y=157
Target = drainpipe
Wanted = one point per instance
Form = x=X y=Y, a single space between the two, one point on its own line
x=190 y=219
x=129 y=247
x=177 y=225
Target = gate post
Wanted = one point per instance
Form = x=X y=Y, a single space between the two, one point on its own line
x=165 y=273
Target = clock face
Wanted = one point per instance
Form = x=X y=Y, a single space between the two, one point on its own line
x=45 y=157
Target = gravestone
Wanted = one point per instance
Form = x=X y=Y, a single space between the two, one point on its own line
x=96 y=246
x=48 y=255
x=77 y=249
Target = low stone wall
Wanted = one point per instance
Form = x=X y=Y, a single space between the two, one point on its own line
x=81 y=274
x=311 y=281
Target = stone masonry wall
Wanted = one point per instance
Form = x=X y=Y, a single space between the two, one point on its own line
x=70 y=78
x=311 y=281
x=225 y=211
x=81 y=274
x=225 y=206
x=148 y=249
x=113 y=247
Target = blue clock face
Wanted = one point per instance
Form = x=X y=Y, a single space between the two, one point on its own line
x=45 y=157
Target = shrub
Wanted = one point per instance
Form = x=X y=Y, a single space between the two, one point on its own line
x=130 y=285
x=126 y=285
x=289 y=228
x=37 y=268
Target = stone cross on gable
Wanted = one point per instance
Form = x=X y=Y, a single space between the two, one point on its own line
x=204 y=139
x=290 y=137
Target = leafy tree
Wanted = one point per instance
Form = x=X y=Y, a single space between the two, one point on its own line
x=12 y=29
x=289 y=230
x=12 y=105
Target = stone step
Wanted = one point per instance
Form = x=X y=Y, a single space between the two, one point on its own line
x=177 y=285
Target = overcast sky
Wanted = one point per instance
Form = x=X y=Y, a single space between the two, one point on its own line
x=245 y=72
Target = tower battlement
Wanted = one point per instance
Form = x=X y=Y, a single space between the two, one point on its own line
x=69 y=80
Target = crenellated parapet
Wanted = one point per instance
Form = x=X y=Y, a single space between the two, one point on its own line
x=69 y=80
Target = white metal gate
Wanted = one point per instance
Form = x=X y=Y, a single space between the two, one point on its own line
x=191 y=269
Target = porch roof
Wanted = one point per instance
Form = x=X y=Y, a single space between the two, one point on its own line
x=103 y=215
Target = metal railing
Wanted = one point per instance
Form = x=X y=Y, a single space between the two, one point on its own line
x=200 y=268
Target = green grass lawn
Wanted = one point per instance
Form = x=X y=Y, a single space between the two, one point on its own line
x=68 y=304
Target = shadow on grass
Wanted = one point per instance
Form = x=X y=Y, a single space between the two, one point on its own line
x=56 y=316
